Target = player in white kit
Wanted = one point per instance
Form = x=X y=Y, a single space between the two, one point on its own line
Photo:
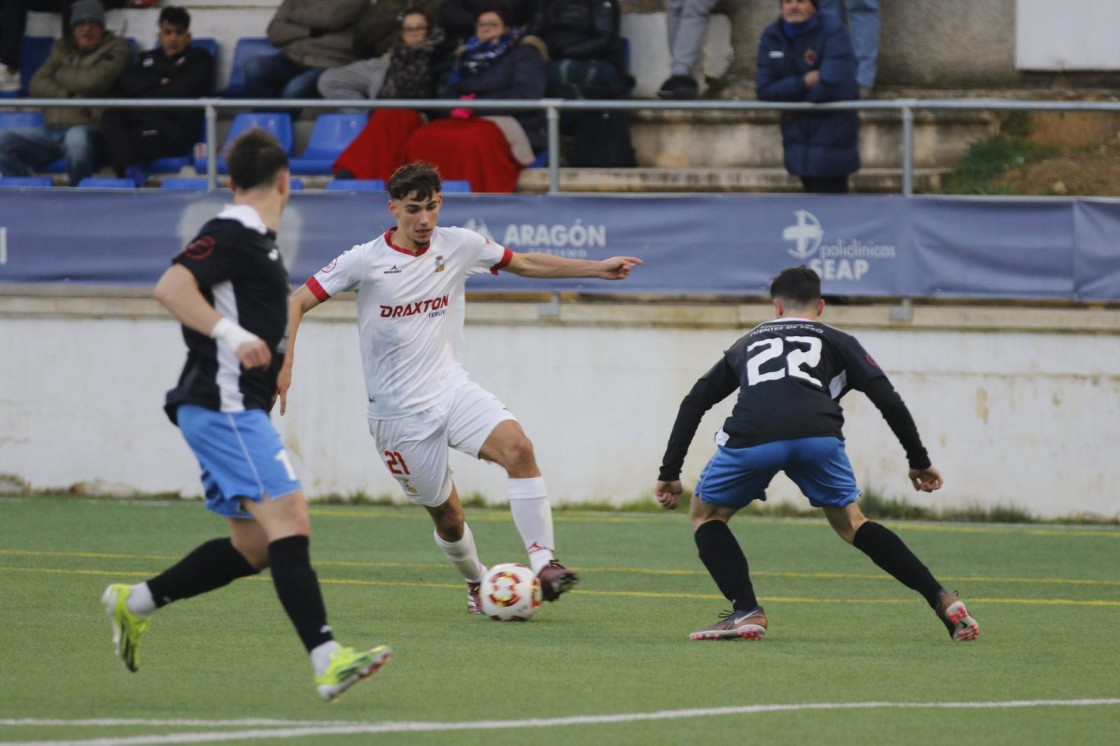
x=411 y=300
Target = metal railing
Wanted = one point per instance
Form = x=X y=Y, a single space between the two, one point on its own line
x=553 y=108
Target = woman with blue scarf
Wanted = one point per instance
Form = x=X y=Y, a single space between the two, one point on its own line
x=488 y=148
x=806 y=56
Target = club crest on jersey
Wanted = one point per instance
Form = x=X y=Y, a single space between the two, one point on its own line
x=200 y=249
x=439 y=264
x=274 y=254
x=810 y=57
x=392 y=271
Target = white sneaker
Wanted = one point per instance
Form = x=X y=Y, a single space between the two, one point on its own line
x=9 y=80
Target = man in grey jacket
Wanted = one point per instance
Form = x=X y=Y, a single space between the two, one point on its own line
x=312 y=35
x=85 y=65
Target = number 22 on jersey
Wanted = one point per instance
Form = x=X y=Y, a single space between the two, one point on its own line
x=782 y=356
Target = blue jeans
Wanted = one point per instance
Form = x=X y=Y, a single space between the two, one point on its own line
x=863 y=25
x=276 y=76
x=687 y=22
x=25 y=148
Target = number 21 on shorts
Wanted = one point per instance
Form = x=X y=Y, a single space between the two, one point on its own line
x=396 y=464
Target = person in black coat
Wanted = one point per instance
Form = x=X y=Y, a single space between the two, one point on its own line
x=584 y=48
x=807 y=56
x=174 y=69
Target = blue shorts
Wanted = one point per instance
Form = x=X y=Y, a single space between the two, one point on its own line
x=241 y=455
x=818 y=466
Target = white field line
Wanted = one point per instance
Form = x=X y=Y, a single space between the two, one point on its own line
x=296 y=729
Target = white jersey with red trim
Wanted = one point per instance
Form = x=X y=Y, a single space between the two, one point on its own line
x=411 y=311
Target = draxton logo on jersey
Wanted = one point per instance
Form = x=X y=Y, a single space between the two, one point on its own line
x=846 y=259
x=411 y=309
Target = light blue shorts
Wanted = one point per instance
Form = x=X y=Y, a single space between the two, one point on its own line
x=241 y=455
x=818 y=466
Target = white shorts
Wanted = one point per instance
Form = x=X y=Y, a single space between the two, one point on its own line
x=415 y=448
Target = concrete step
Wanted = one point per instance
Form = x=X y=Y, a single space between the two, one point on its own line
x=708 y=180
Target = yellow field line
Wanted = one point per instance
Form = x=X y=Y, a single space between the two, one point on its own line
x=670 y=572
x=1108 y=603
x=497 y=514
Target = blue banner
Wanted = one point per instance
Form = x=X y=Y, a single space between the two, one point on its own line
x=861 y=245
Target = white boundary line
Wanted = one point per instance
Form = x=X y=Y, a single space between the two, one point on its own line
x=298 y=728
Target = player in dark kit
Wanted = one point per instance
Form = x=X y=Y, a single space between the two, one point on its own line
x=791 y=373
x=229 y=289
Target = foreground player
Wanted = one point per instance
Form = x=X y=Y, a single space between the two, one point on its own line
x=410 y=285
x=791 y=372
x=229 y=288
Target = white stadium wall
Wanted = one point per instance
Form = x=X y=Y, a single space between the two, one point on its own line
x=1017 y=407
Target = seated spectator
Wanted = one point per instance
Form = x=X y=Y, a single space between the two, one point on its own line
x=409 y=70
x=378 y=29
x=13 y=23
x=174 y=69
x=87 y=65
x=312 y=36
x=496 y=63
x=687 y=23
x=584 y=48
x=457 y=17
x=807 y=56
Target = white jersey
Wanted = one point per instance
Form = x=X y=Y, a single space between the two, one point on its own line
x=411 y=311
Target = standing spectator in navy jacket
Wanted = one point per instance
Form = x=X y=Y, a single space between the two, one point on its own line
x=174 y=69
x=806 y=56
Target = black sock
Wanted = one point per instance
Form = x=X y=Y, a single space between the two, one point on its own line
x=208 y=567
x=724 y=558
x=298 y=589
x=890 y=553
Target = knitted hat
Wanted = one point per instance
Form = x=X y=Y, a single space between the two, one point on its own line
x=87 y=10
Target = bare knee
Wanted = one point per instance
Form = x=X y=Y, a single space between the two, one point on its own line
x=518 y=456
x=255 y=552
x=449 y=520
x=846 y=521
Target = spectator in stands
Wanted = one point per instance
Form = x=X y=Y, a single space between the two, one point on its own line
x=174 y=69
x=457 y=17
x=312 y=36
x=498 y=62
x=584 y=48
x=862 y=19
x=13 y=23
x=408 y=70
x=807 y=56
x=379 y=27
x=687 y=22
x=87 y=65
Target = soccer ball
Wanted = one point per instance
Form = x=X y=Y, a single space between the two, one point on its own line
x=510 y=593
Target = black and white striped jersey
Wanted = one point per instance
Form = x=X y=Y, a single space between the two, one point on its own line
x=240 y=272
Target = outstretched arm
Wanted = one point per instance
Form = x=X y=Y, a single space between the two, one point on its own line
x=536 y=264
x=715 y=386
x=178 y=292
x=923 y=476
x=302 y=301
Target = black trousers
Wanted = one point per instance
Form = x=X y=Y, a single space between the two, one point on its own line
x=130 y=138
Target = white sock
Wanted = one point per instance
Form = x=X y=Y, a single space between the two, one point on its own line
x=140 y=601
x=463 y=555
x=532 y=514
x=321 y=656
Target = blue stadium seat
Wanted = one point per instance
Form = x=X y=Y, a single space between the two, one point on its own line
x=16 y=119
x=541 y=161
x=279 y=123
x=247 y=48
x=106 y=182
x=456 y=185
x=330 y=136
x=187 y=183
x=23 y=182
x=356 y=185
x=297 y=184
